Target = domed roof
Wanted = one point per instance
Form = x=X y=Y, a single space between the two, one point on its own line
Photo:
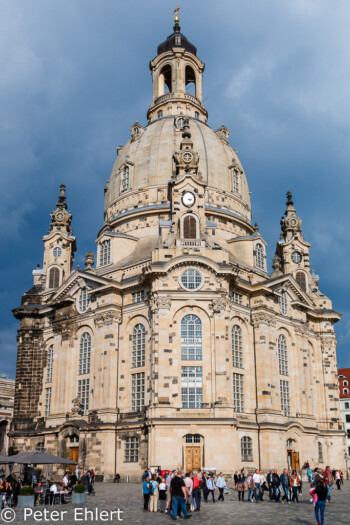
x=176 y=39
x=151 y=158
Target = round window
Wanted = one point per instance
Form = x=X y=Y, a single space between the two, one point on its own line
x=296 y=257
x=57 y=252
x=191 y=279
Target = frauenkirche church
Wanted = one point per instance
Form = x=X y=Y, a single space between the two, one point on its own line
x=174 y=346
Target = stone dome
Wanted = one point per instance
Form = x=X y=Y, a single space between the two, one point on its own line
x=151 y=158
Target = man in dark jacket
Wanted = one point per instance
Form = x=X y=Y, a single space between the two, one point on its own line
x=269 y=479
x=285 y=482
x=276 y=486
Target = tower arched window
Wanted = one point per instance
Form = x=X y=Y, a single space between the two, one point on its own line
x=259 y=256
x=320 y=452
x=235 y=181
x=237 y=353
x=160 y=114
x=105 y=253
x=85 y=354
x=282 y=355
x=126 y=178
x=190 y=80
x=138 y=346
x=247 y=448
x=49 y=364
x=189 y=227
x=300 y=278
x=191 y=338
x=54 y=278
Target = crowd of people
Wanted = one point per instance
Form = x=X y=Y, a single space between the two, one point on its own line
x=179 y=493
x=46 y=492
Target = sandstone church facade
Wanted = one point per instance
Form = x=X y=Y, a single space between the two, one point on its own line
x=176 y=347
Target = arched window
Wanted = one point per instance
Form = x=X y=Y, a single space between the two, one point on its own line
x=190 y=81
x=192 y=438
x=85 y=354
x=196 y=115
x=345 y=391
x=290 y=443
x=259 y=256
x=345 y=383
x=300 y=278
x=160 y=114
x=283 y=303
x=190 y=227
x=191 y=338
x=49 y=364
x=235 y=181
x=84 y=300
x=282 y=355
x=164 y=81
x=320 y=452
x=126 y=178
x=247 y=448
x=54 y=278
x=138 y=346
x=237 y=354
x=105 y=253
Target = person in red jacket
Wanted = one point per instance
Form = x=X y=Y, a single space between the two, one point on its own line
x=328 y=476
x=197 y=486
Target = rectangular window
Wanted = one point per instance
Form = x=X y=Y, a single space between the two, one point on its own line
x=83 y=393
x=237 y=298
x=137 y=392
x=131 y=450
x=138 y=297
x=47 y=402
x=284 y=388
x=238 y=395
x=191 y=386
x=347 y=418
x=49 y=365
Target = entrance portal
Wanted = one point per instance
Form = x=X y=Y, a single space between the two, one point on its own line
x=73 y=456
x=293 y=460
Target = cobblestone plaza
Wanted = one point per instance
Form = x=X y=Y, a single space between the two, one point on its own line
x=128 y=498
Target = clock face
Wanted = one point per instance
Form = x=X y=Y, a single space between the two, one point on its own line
x=59 y=216
x=188 y=199
x=296 y=257
x=187 y=157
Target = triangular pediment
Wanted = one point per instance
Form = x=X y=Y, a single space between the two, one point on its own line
x=288 y=284
x=76 y=282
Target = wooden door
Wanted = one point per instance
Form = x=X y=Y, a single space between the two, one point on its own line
x=73 y=456
x=193 y=458
x=296 y=463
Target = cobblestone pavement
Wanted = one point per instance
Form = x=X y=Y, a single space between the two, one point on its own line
x=128 y=498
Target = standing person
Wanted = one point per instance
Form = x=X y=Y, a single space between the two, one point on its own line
x=197 y=486
x=235 y=478
x=309 y=474
x=72 y=481
x=269 y=479
x=221 y=484
x=321 y=491
x=285 y=482
x=257 y=487
x=329 y=482
x=205 y=487
x=211 y=486
x=162 y=495
x=240 y=487
x=179 y=495
x=155 y=494
x=147 y=491
x=189 y=487
x=263 y=487
x=337 y=479
x=65 y=480
x=294 y=483
x=251 y=486
x=276 y=486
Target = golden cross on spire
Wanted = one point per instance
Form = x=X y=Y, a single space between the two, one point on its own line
x=176 y=11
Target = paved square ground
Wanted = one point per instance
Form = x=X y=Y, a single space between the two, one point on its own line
x=128 y=498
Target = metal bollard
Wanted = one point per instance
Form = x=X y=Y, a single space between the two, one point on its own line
x=127 y=479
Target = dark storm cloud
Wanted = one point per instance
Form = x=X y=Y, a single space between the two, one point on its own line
x=74 y=77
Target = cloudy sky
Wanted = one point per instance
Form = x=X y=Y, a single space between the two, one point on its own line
x=74 y=77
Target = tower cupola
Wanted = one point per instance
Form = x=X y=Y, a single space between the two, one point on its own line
x=177 y=78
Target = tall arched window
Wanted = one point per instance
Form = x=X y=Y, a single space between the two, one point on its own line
x=126 y=178
x=190 y=227
x=282 y=355
x=105 y=253
x=259 y=256
x=237 y=353
x=49 y=364
x=54 y=278
x=84 y=300
x=300 y=278
x=283 y=303
x=235 y=180
x=85 y=354
x=190 y=80
x=138 y=346
x=191 y=338
x=247 y=448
